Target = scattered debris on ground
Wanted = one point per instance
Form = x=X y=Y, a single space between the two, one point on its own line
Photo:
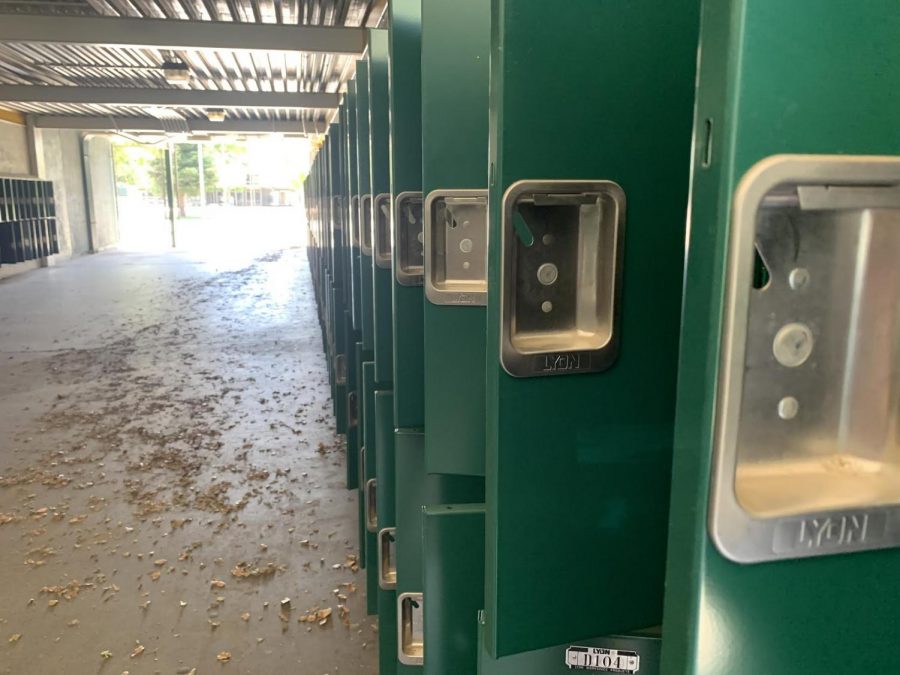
x=182 y=465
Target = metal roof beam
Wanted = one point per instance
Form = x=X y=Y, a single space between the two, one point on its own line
x=128 y=96
x=144 y=33
x=151 y=124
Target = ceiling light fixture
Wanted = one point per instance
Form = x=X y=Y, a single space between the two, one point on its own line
x=176 y=72
x=215 y=115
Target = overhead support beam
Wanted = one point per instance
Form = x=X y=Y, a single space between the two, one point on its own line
x=151 y=124
x=105 y=31
x=128 y=96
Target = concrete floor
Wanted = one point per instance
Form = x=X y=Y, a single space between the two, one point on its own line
x=166 y=430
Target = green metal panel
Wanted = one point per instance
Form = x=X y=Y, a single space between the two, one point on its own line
x=578 y=466
x=362 y=154
x=340 y=335
x=553 y=660
x=369 y=542
x=339 y=297
x=406 y=176
x=453 y=586
x=353 y=430
x=379 y=157
x=385 y=459
x=384 y=471
x=810 y=78
x=360 y=437
x=387 y=633
x=414 y=490
x=353 y=205
x=455 y=55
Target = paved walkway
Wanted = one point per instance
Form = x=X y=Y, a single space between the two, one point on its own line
x=169 y=473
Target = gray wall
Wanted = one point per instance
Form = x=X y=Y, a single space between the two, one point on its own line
x=59 y=155
x=13 y=149
x=14 y=162
x=103 y=196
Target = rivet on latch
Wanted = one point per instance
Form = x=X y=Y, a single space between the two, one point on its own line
x=798 y=278
x=465 y=246
x=547 y=274
x=793 y=344
x=546 y=306
x=788 y=407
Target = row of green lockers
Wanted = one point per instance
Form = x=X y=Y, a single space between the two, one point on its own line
x=28 y=228
x=615 y=341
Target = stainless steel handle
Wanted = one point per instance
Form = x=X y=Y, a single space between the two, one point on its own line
x=410 y=629
x=409 y=239
x=371 y=490
x=382 y=234
x=352 y=409
x=387 y=558
x=455 y=261
x=340 y=369
x=561 y=276
x=354 y=220
x=337 y=213
x=365 y=224
x=362 y=468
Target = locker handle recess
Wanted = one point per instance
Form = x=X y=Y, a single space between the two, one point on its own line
x=382 y=242
x=365 y=224
x=352 y=409
x=337 y=212
x=340 y=369
x=387 y=558
x=807 y=454
x=456 y=247
x=562 y=253
x=410 y=629
x=362 y=471
x=354 y=221
x=371 y=492
x=409 y=239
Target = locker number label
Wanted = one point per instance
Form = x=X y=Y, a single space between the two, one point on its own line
x=602 y=660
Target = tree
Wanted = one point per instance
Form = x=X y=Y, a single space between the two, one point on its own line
x=134 y=165
x=187 y=173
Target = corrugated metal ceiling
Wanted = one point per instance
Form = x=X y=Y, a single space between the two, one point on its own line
x=222 y=70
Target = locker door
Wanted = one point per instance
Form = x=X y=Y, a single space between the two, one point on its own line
x=782 y=551
x=590 y=138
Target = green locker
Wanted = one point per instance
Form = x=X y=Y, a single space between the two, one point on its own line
x=364 y=217
x=362 y=439
x=406 y=240
x=352 y=406
x=368 y=522
x=455 y=60
x=366 y=324
x=590 y=110
x=782 y=548
x=417 y=484
x=416 y=490
x=453 y=568
x=338 y=290
x=353 y=205
x=386 y=544
x=380 y=222
x=614 y=654
x=448 y=585
x=352 y=298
